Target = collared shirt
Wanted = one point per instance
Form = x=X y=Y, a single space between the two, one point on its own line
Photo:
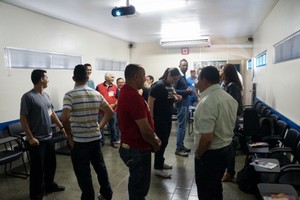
x=84 y=104
x=215 y=113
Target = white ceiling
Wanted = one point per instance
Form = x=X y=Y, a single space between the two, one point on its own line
x=216 y=18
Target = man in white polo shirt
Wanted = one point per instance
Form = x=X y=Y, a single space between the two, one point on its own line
x=215 y=117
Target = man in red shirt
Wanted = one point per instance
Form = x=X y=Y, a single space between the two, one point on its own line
x=138 y=138
x=109 y=92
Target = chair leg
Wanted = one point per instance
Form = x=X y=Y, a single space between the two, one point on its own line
x=17 y=174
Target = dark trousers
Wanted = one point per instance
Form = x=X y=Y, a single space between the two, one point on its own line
x=42 y=168
x=162 y=130
x=209 y=170
x=139 y=164
x=83 y=154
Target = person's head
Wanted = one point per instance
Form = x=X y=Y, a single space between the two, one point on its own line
x=183 y=65
x=193 y=73
x=120 y=82
x=109 y=78
x=88 y=68
x=80 y=74
x=135 y=76
x=149 y=79
x=171 y=75
x=39 y=76
x=230 y=75
x=208 y=76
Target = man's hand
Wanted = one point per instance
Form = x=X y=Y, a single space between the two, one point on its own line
x=157 y=145
x=33 y=142
x=64 y=132
x=70 y=141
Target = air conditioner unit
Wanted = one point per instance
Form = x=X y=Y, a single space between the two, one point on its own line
x=203 y=41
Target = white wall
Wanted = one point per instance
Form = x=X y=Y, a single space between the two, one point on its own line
x=24 y=29
x=156 y=59
x=278 y=84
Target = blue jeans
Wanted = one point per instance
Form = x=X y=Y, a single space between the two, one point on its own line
x=182 y=115
x=139 y=164
x=114 y=134
x=82 y=155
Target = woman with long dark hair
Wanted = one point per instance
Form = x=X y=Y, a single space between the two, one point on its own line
x=161 y=99
x=233 y=86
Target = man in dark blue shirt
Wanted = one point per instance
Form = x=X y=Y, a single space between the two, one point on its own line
x=182 y=107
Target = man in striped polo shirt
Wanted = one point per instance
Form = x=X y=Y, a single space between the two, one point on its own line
x=80 y=119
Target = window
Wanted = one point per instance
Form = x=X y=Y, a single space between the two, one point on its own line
x=261 y=60
x=110 y=65
x=249 y=64
x=288 y=48
x=23 y=58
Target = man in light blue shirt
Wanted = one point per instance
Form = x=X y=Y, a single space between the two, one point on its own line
x=215 y=117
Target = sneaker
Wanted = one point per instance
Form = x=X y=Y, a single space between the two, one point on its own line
x=168 y=166
x=181 y=153
x=186 y=149
x=162 y=173
x=115 y=145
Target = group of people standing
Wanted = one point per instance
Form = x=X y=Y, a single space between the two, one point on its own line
x=145 y=128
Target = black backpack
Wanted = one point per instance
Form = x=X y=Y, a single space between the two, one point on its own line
x=247 y=179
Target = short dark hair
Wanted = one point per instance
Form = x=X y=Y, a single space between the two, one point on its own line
x=131 y=70
x=150 y=77
x=36 y=75
x=80 y=73
x=119 y=79
x=87 y=64
x=182 y=61
x=211 y=74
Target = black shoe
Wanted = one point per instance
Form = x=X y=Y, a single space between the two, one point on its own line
x=167 y=166
x=186 y=149
x=55 y=188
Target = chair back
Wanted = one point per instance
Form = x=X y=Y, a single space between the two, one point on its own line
x=291 y=139
x=266 y=113
x=281 y=128
x=274 y=117
x=261 y=110
x=15 y=130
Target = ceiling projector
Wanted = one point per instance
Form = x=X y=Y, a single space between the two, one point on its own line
x=123 y=11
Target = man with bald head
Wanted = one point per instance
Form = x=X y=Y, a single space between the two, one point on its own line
x=109 y=92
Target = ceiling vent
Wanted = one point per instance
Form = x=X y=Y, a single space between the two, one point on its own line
x=203 y=41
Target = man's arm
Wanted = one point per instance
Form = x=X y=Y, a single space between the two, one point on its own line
x=148 y=134
x=25 y=125
x=67 y=125
x=55 y=119
x=151 y=104
x=204 y=144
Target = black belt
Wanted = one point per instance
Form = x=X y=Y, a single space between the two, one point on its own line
x=222 y=150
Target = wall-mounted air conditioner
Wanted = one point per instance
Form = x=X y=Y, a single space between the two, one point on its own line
x=203 y=41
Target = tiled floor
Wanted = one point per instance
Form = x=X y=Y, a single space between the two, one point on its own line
x=180 y=187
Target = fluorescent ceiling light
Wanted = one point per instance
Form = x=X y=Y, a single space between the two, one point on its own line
x=180 y=30
x=144 y=6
